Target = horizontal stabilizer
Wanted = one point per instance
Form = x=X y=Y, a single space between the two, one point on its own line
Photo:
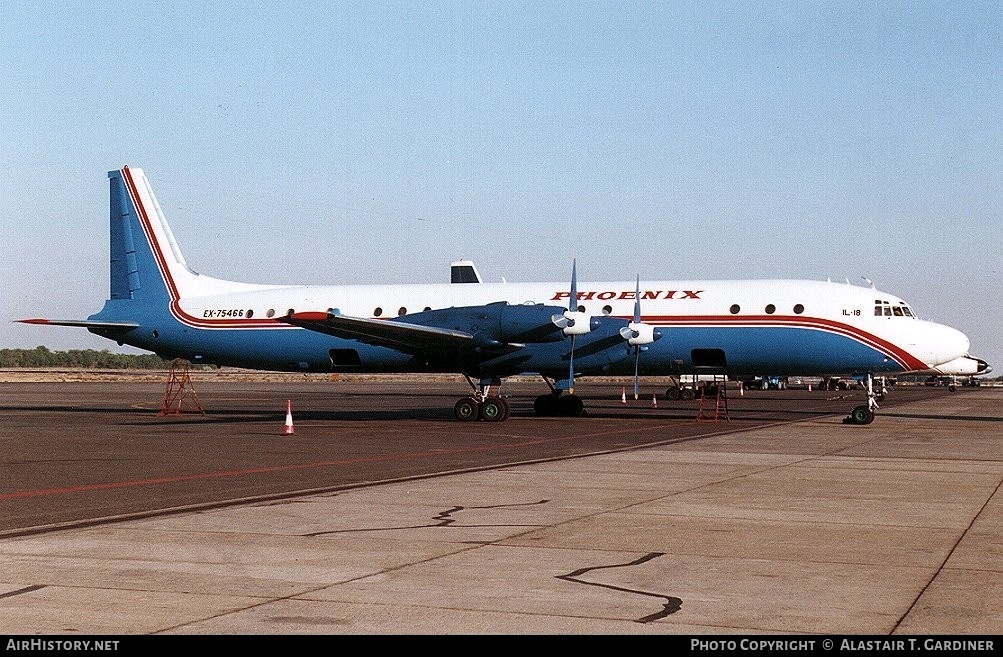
x=83 y=323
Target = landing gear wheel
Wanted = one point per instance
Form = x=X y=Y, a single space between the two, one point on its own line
x=686 y=394
x=571 y=406
x=861 y=415
x=545 y=405
x=494 y=409
x=467 y=409
x=506 y=406
x=672 y=393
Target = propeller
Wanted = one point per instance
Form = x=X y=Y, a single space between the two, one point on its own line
x=573 y=322
x=638 y=334
x=572 y=307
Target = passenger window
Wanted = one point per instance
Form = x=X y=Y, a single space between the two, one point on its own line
x=401 y=311
x=377 y=311
x=770 y=309
x=735 y=308
x=606 y=310
x=798 y=309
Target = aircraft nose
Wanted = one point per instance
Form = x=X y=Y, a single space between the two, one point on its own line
x=946 y=344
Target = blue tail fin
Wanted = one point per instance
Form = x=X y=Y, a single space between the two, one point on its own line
x=146 y=264
x=125 y=279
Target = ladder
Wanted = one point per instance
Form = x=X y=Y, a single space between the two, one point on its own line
x=718 y=398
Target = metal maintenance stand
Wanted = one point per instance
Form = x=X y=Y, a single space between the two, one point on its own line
x=180 y=391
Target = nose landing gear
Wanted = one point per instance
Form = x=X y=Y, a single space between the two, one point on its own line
x=864 y=414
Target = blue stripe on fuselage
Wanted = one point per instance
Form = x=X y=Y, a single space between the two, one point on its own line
x=748 y=350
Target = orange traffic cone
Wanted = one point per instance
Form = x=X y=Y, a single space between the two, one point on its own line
x=289 y=417
x=623 y=395
x=654 y=401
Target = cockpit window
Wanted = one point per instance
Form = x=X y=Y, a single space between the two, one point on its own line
x=883 y=308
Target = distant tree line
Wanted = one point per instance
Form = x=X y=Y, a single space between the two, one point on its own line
x=80 y=358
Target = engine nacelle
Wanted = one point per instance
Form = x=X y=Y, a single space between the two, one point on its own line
x=638 y=333
x=526 y=323
x=575 y=322
x=494 y=325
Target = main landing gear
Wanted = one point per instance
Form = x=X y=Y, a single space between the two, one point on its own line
x=483 y=404
x=864 y=414
x=555 y=403
x=486 y=405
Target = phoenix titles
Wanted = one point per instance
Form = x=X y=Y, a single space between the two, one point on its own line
x=609 y=295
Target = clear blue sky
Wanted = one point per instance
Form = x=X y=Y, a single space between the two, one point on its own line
x=375 y=142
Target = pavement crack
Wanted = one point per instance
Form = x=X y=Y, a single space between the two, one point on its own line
x=670 y=605
x=442 y=519
x=22 y=591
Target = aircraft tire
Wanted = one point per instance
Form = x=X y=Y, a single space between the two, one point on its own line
x=545 y=405
x=672 y=393
x=493 y=410
x=571 y=406
x=686 y=394
x=862 y=415
x=467 y=409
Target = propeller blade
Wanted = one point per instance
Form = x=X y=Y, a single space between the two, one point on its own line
x=571 y=367
x=637 y=360
x=637 y=347
x=573 y=299
x=572 y=306
x=637 y=301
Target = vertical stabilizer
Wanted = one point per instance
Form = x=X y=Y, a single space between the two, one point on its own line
x=125 y=280
x=146 y=263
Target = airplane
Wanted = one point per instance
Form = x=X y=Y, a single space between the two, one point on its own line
x=488 y=331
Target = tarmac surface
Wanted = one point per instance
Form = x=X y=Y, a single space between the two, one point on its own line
x=381 y=514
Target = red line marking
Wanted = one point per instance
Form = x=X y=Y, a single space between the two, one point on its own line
x=278 y=468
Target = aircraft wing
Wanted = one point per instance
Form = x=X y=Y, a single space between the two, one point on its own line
x=399 y=335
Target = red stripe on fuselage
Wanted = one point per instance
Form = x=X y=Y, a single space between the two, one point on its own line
x=901 y=356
